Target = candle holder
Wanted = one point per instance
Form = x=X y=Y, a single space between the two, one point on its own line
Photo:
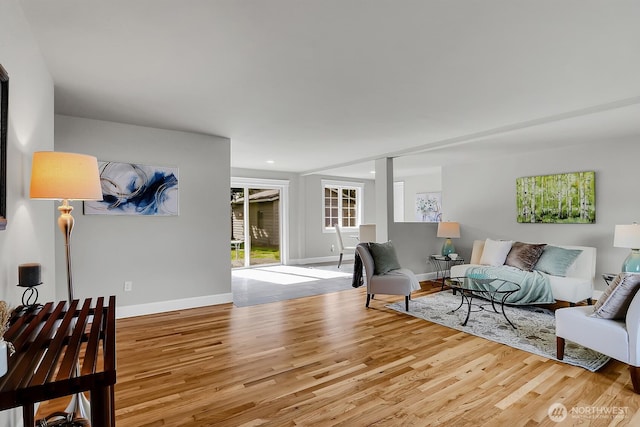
x=29 y=277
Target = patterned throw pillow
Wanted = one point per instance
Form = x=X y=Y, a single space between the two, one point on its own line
x=524 y=255
x=615 y=301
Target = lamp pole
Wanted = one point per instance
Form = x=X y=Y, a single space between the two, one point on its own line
x=65 y=223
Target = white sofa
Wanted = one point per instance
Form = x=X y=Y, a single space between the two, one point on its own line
x=575 y=287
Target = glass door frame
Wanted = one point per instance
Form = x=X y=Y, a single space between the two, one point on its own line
x=276 y=184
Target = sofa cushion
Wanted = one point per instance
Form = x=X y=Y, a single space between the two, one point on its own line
x=384 y=257
x=524 y=255
x=495 y=252
x=614 y=302
x=556 y=261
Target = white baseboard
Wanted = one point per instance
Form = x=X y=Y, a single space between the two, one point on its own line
x=172 y=305
x=427 y=276
x=318 y=260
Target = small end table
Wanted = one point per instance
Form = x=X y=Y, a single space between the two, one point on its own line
x=608 y=278
x=443 y=265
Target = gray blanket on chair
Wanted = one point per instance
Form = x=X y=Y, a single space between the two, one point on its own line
x=357 y=280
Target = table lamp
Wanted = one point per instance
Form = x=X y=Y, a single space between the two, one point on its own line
x=66 y=177
x=628 y=236
x=448 y=230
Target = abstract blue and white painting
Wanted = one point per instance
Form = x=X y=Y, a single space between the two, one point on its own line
x=133 y=189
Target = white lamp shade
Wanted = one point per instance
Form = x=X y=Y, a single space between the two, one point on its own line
x=64 y=176
x=448 y=230
x=627 y=236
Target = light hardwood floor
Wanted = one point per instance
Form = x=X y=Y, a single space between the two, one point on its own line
x=327 y=360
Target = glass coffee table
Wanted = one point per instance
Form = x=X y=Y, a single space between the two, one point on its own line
x=495 y=290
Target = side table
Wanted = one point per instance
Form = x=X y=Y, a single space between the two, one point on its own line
x=50 y=342
x=608 y=278
x=443 y=264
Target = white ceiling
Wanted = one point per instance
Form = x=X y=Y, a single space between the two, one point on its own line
x=325 y=84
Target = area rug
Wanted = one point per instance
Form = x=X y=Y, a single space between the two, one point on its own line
x=535 y=333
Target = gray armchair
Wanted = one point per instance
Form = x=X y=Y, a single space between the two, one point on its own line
x=396 y=282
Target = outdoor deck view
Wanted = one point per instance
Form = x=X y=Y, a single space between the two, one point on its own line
x=255 y=227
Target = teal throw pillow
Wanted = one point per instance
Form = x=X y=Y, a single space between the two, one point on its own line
x=384 y=257
x=556 y=261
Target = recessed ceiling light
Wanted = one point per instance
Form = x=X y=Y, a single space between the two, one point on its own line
x=270 y=162
x=372 y=171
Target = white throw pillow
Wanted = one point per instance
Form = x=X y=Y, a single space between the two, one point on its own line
x=495 y=252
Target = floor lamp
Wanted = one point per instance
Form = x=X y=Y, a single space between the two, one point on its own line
x=66 y=177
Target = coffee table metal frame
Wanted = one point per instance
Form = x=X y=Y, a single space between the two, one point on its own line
x=498 y=291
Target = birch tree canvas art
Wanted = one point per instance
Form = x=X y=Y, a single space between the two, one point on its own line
x=567 y=198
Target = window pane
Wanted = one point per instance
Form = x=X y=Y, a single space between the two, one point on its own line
x=340 y=206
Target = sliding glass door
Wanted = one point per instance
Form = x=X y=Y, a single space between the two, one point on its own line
x=256 y=219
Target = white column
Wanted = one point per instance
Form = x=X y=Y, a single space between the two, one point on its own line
x=384 y=198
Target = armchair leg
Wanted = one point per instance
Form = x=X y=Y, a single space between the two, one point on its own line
x=560 y=348
x=406 y=302
x=340 y=260
x=368 y=299
x=635 y=378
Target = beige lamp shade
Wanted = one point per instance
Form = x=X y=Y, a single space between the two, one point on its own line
x=448 y=230
x=627 y=236
x=64 y=176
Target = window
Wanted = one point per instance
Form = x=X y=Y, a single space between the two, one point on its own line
x=342 y=204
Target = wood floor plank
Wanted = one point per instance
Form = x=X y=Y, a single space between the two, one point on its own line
x=328 y=360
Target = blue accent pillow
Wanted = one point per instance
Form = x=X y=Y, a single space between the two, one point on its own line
x=384 y=257
x=556 y=261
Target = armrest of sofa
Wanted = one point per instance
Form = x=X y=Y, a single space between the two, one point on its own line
x=476 y=252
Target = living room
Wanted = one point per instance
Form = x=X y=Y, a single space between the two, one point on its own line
x=182 y=261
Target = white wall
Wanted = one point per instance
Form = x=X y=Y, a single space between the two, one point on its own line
x=167 y=258
x=481 y=196
x=426 y=183
x=29 y=236
x=315 y=242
